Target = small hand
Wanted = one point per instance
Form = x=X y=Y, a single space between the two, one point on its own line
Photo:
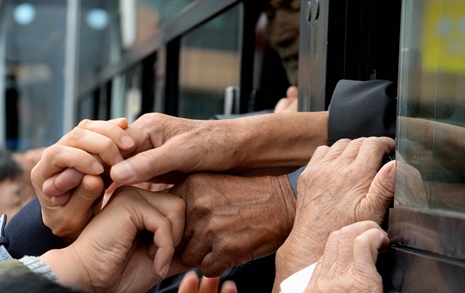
x=68 y=178
x=128 y=247
x=190 y=284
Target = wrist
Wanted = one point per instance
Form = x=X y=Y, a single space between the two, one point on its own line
x=283 y=187
x=267 y=139
x=300 y=250
x=67 y=268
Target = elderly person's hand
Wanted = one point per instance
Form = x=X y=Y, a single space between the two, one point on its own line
x=167 y=147
x=348 y=263
x=341 y=185
x=231 y=220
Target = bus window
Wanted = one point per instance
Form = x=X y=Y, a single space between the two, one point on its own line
x=432 y=106
x=127 y=94
x=140 y=19
x=98 y=38
x=209 y=63
x=87 y=106
x=32 y=64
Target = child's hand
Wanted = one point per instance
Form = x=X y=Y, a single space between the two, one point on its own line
x=68 y=178
x=190 y=284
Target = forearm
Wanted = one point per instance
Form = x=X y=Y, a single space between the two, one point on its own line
x=280 y=140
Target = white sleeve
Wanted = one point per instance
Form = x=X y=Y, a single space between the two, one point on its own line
x=297 y=282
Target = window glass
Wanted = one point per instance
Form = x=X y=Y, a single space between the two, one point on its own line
x=431 y=134
x=107 y=30
x=99 y=38
x=141 y=19
x=127 y=94
x=87 y=107
x=32 y=64
x=209 y=63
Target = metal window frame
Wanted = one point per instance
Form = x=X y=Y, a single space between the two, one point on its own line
x=340 y=40
x=165 y=47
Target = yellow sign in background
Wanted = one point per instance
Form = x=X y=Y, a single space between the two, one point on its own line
x=443 y=39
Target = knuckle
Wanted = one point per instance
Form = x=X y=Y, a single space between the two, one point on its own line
x=210 y=270
x=200 y=207
x=84 y=123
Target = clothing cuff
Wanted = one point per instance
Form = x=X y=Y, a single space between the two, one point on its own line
x=39 y=267
x=362 y=109
x=298 y=282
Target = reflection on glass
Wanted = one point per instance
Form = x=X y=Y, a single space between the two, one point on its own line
x=141 y=19
x=431 y=133
x=209 y=63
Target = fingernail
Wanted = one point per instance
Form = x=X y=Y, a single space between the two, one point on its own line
x=164 y=271
x=122 y=171
x=97 y=167
x=392 y=172
x=126 y=141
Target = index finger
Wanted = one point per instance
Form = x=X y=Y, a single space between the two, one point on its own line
x=372 y=151
x=113 y=129
x=151 y=163
x=367 y=246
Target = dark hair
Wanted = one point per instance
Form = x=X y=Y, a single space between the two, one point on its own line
x=30 y=283
x=9 y=167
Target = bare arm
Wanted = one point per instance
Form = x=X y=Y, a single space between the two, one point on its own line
x=165 y=145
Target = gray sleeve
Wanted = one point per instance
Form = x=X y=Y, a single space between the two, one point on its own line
x=39 y=267
x=362 y=109
x=293 y=177
x=4 y=255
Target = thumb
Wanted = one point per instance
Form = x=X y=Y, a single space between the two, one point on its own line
x=87 y=193
x=381 y=193
x=292 y=92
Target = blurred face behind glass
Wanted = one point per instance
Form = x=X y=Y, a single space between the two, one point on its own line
x=283 y=33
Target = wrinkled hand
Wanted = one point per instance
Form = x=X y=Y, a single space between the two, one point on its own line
x=113 y=254
x=190 y=284
x=341 y=185
x=68 y=178
x=349 y=261
x=168 y=148
x=288 y=104
x=231 y=220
